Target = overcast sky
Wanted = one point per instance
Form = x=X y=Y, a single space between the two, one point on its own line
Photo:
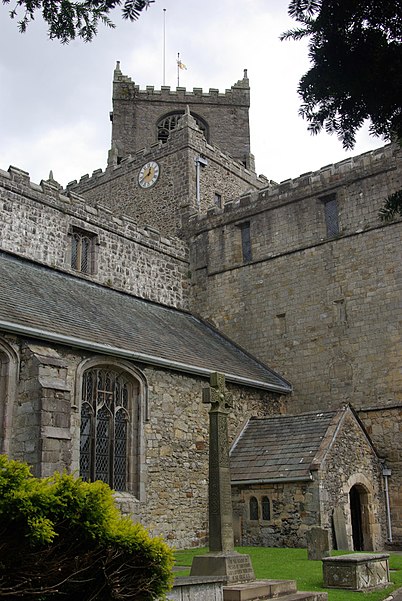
x=55 y=100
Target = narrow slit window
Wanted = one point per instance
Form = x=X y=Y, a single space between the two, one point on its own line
x=331 y=215
x=246 y=241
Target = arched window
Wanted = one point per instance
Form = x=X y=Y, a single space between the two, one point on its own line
x=169 y=123
x=83 y=250
x=266 y=508
x=108 y=433
x=254 y=513
x=9 y=365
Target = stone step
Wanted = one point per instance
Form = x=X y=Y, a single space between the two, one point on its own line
x=259 y=589
x=305 y=596
x=282 y=590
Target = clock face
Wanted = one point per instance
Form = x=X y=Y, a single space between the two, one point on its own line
x=148 y=175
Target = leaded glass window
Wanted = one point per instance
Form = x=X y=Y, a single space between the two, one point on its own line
x=266 y=509
x=170 y=122
x=331 y=215
x=82 y=251
x=254 y=508
x=105 y=420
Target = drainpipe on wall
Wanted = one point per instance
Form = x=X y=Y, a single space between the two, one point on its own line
x=386 y=472
x=199 y=162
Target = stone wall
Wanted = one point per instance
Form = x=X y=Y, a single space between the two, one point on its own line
x=37 y=222
x=136 y=113
x=168 y=203
x=173 y=432
x=320 y=310
x=384 y=426
x=351 y=461
x=294 y=509
x=346 y=459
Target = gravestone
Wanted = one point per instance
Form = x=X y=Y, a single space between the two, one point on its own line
x=222 y=559
x=341 y=536
x=356 y=572
x=318 y=544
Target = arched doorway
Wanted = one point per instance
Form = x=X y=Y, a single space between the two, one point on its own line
x=359 y=513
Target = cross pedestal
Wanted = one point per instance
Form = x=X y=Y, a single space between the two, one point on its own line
x=222 y=559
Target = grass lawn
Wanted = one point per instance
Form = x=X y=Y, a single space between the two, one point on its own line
x=292 y=564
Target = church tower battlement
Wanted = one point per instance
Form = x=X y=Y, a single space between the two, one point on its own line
x=142 y=117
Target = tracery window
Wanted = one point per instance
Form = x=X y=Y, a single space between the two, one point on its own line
x=169 y=123
x=106 y=435
x=254 y=513
x=83 y=251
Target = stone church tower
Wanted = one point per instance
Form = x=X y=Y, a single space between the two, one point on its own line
x=142 y=117
x=178 y=229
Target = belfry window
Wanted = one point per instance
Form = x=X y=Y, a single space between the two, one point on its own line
x=170 y=122
x=83 y=250
x=107 y=436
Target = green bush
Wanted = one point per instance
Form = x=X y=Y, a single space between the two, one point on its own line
x=61 y=537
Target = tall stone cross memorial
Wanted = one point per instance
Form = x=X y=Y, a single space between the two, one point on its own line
x=222 y=559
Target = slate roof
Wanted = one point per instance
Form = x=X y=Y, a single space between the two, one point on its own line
x=282 y=448
x=44 y=303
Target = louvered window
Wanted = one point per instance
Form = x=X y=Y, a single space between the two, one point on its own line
x=105 y=421
x=170 y=122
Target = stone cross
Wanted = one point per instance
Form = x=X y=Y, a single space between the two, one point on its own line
x=222 y=559
x=220 y=498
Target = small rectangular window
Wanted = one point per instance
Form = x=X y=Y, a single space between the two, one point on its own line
x=281 y=326
x=83 y=250
x=331 y=215
x=246 y=241
x=218 y=200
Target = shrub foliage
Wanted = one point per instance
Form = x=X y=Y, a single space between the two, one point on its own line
x=64 y=538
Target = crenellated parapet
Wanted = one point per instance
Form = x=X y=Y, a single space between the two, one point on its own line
x=312 y=184
x=50 y=193
x=157 y=151
x=126 y=89
x=138 y=114
x=41 y=222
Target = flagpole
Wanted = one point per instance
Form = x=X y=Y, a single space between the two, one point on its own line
x=164 y=45
x=178 y=69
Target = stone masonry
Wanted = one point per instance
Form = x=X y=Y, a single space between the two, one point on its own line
x=36 y=221
x=169 y=203
x=173 y=497
x=256 y=259
x=322 y=309
x=136 y=113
